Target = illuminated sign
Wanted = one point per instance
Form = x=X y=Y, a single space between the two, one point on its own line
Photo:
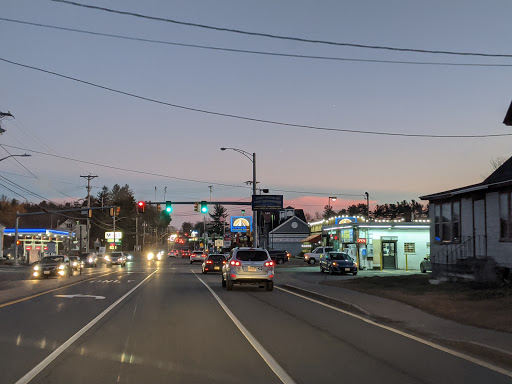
x=110 y=235
x=347 y=235
x=241 y=223
x=361 y=241
x=345 y=220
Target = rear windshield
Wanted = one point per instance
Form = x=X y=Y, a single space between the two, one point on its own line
x=116 y=254
x=252 y=255
x=53 y=259
x=216 y=257
x=198 y=252
x=339 y=256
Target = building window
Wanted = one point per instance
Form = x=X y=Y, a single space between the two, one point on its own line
x=505 y=217
x=409 y=247
x=447 y=222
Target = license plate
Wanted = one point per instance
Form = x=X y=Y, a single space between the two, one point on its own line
x=46 y=272
x=252 y=269
x=347 y=269
x=216 y=268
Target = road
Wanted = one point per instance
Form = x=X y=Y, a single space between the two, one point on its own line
x=166 y=322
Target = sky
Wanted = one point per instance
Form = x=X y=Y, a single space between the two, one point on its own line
x=71 y=128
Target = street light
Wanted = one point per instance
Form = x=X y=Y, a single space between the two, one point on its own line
x=24 y=155
x=333 y=198
x=251 y=157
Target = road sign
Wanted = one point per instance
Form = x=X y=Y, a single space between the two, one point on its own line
x=219 y=243
x=267 y=202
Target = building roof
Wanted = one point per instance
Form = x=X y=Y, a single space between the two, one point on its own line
x=286 y=226
x=500 y=177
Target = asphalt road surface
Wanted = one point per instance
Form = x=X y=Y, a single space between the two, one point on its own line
x=165 y=322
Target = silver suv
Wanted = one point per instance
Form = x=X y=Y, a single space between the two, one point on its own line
x=248 y=266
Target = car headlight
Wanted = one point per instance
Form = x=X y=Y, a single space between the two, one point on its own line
x=334 y=264
x=107 y=258
x=75 y=263
x=90 y=259
x=36 y=268
x=150 y=256
x=62 y=266
x=159 y=256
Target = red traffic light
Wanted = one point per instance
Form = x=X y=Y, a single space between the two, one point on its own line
x=142 y=206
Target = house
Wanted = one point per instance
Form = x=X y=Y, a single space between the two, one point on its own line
x=285 y=230
x=471 y=235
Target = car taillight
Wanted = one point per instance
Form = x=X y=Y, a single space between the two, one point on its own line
x=203 y=255
x=235 y=262
x=209 y=262
x=224 y=261
x=269 y=264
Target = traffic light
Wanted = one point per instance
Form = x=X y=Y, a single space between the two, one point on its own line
x=196 y=207
x=118 y=210
x=89 y=213
x=168 y=207
x=112 y=212
x=204 y=207
x=141 y=205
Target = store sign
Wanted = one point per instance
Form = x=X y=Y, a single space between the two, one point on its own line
x=241 y=223
x=267 y=202
x=389 y=238
x=345 y=220
x=110 y=235
x=361 y=241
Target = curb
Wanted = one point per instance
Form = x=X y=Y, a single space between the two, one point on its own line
x=329 y=300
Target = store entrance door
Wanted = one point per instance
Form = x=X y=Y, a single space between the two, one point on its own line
x=389 y=254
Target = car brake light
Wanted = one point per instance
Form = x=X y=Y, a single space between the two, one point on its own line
x=335 y=263
x=224 y=261
x=209 y=262
x=235 y=262
x=269 y=264
x=271 y=276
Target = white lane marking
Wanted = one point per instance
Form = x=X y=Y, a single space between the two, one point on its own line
x=409 y=336
x=267 y=357
x=43 y=364
x=80 y=295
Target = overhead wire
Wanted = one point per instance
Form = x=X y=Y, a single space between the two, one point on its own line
x=16 y=193
x=280 y=37
x=252 y=119
x=253 y=52
x=23 y=188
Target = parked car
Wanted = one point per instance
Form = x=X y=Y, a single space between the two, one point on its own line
x=425 y=265
x=337 y=262
x=313 y=257
x=248 y=266
x=197 y=256
x=58 y=265
x=279 y=256
x=90 y=259
x=76 y=263
x=214 y=263
x=118 y=258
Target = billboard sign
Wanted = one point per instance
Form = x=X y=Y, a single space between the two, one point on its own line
x=267 y=202
x=241 y=223
x=345 y=220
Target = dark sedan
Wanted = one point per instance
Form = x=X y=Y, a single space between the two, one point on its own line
x=337 y=262
x=278 y=256
x=90 y=259
x=213 y=263
x=58 y=265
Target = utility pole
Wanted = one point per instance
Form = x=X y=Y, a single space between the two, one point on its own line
x=89 y=178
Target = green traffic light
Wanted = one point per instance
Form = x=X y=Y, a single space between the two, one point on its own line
x=168 y=207
x=204 y=207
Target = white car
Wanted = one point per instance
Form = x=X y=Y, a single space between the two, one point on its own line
x=313 y=257
x=198 y=256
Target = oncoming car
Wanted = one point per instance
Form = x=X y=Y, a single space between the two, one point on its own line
x=248 y=266
x=58 y=265
x=76 y=263
x=151 y=256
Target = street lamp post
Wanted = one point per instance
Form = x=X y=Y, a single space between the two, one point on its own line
x=17 y=217
x=333 y=198
x=251 y=157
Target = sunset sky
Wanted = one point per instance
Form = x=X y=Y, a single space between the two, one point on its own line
x=74 y=129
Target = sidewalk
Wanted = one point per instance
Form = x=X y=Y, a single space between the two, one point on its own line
x=483 y=342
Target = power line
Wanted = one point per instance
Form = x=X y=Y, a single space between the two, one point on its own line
x=16 y=193
x=161 y=175
x=245 y=51
x=280 y=37
x=23 y=188
x=253 y=119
